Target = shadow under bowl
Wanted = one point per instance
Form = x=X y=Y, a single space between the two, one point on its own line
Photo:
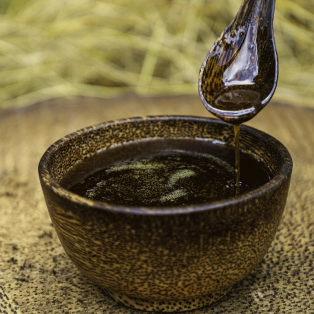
x=166 y=259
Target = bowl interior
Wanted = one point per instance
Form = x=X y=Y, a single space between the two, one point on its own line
x=167 y=132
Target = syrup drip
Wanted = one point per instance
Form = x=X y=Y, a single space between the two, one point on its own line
x=237 y=152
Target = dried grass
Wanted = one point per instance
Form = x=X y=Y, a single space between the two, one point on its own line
x=53 y=48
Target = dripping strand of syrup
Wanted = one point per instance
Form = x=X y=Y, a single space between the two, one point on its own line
x=236 y=128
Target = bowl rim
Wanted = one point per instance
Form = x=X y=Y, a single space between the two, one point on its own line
x=271 y=185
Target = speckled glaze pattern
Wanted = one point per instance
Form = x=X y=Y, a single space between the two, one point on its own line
x=166 y=259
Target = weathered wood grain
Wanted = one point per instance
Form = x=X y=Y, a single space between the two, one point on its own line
x=38 y=275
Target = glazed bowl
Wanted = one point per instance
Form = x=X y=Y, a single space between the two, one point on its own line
x=166 y=259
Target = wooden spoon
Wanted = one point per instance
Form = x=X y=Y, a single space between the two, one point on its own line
x=239 y=75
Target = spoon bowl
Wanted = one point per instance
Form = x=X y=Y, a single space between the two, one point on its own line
x=239 y=75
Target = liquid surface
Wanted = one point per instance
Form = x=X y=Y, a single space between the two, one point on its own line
x=239 y=75
x=162 y=178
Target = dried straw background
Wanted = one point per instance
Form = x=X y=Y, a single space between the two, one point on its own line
x=59 y=48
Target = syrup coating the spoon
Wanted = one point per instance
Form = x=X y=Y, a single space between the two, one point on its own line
x=239 y=75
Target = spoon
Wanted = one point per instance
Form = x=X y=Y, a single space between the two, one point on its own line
x=239 y=75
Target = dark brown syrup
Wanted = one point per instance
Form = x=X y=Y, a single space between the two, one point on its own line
x=240 y=73
x=163 y=176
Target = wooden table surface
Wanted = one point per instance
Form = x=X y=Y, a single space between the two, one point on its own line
x=36 y=276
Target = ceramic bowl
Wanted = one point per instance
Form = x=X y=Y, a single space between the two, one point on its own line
x=166 y=259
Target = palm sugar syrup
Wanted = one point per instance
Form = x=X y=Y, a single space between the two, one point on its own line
x=163 y=177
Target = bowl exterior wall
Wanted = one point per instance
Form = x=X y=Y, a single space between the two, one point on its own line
x=168 y=257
